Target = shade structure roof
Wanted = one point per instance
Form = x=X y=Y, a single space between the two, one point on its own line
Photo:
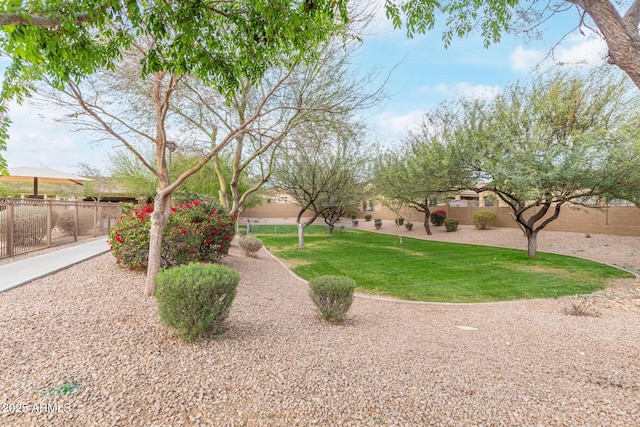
x=41 y=175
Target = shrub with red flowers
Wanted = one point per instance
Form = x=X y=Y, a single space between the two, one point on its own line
x=438 y=217
x=211 y=224
x=196 y=231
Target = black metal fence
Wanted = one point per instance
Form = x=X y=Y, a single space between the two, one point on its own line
x=30 y=224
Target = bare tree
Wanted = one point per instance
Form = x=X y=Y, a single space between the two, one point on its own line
x=326 y=91
x=322 y=172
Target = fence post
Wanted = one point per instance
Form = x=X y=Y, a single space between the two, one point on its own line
x=109 y=218
x=10 y=224
x=95 y=218
x=76 y=220
x=49 y=220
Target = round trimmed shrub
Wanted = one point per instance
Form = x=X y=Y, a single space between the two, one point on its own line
x=484 y=219
x=332 y=296
x=437 y=217
x=377 y=223
x=367 y=217
x=408 y=225
x=196 y=298
x=451 y=224
x=250 y=245
x=399 y=220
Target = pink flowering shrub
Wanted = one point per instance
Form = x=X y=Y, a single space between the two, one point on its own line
x=196 y=231
x=438 y=217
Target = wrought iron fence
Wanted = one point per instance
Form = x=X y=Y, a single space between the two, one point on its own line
x=30 y=224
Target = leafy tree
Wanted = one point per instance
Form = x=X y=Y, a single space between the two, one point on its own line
x=322 y=173
x=221 y=43
x=619 y=28
x=423 y=170
x=560 y=139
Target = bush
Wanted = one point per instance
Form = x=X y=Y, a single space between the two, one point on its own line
x=29 y=224
x=196 y=231
x=367 y=217
x=451 y=224
x=378 y=223
x=353 y=216
x=484 y=219
x=242 y=232
x=214 y=227
x=437 y=217
x=250 y=245
x=399 y=220
x=67 y=220
x=129 y=238
x=354 y=222
x=408 y=225
x=581 y=307
x=196 y=298
x=332 y=296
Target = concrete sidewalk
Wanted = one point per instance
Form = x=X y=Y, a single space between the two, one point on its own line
x=20 y=272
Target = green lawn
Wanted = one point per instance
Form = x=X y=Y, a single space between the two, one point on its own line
x=424 y=270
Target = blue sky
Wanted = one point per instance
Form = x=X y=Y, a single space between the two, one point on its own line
x=424 y=74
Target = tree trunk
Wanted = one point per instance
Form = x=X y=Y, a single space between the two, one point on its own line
x=223 y=196
x=621 y=36
x=300 y=235
x=532 y=243
x=159 y=219
x=427 y=228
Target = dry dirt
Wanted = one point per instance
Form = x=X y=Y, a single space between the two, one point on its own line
x=83 y=347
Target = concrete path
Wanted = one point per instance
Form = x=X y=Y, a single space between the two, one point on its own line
x=20 y=272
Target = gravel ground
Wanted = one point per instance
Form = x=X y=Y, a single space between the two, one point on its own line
x=522 y=363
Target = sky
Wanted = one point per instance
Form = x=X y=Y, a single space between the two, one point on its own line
x=422 y=73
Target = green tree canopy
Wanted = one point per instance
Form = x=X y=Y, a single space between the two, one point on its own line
x=562 y=138
x=423 y=170
x=220 y=42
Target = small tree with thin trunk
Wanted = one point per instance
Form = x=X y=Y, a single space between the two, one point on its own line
x=321 y=174
x=423 y=170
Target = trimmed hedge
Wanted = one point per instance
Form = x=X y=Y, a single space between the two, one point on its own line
x=250 y=245
x=332 y=296
x=451 y=224
x=196 y=298
x=484 y=219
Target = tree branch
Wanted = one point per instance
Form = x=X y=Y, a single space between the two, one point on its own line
x=632 y=17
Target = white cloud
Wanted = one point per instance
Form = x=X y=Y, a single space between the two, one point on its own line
x=463 y=89
x=482 y=92
x=379 y=24
x=588 y=50
x=35 y=140
x=576 y=49
x=391 y=127
x=525 y=60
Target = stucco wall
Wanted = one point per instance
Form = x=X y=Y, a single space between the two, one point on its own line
x=617 y=220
